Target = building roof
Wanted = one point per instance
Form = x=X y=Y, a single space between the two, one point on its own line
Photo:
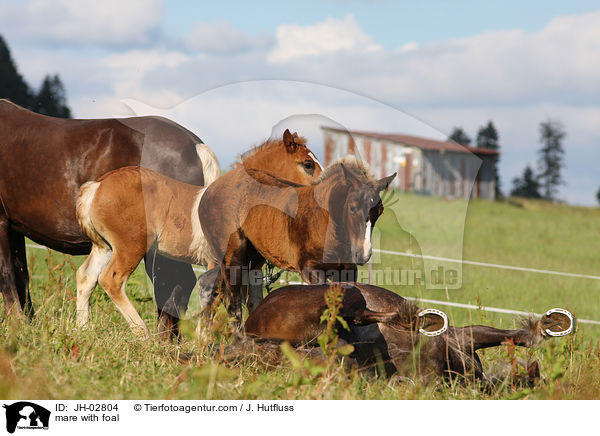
x=419 y=142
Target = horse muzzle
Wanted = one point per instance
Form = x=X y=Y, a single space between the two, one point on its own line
x=361 y=256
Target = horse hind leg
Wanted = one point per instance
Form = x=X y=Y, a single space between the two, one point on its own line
x=19 y=256
x=555 y=322
x=87 y=278
x=208 y=288
x=14 y=294
x=114 y=279
x=477 y=337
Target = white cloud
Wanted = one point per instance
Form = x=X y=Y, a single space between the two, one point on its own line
x=126 y=72
x=329 y=36
x=513 y=77
x=408 y=47
x=232 y=118
x=222 y=37
x=558 y=63
x=108 y=23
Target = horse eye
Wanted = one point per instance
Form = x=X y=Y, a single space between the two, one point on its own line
x=352 y=208
x=308 y=164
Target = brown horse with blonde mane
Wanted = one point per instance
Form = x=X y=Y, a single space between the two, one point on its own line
x=132 y=210
x=249 y=216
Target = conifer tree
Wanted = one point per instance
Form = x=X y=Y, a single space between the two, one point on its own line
x=551 y=158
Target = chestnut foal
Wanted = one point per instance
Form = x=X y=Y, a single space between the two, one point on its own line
x=131 y=210
x=385 y=326
x=249 y=216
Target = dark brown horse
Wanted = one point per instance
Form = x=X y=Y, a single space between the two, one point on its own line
x=43 y=163
x=385 y=326
x=131 y=210
x=250 y=216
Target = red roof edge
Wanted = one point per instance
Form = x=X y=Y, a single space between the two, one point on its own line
x=419 y=142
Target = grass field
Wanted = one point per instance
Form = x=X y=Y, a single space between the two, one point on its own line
x=49 y=358
x=532 y=234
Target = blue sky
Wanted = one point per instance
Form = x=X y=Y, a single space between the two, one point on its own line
x=391 y=23
x=437 y=64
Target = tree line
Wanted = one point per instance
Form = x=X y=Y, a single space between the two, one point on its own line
x=542 y=183
x=50 y=99
x=487 y=137
x=551 y=160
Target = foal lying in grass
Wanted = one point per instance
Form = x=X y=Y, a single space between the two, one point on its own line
x=386 y=329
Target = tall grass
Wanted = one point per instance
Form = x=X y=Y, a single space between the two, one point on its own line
x=49 y=358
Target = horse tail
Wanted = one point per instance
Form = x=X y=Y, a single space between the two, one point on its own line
x=85 y=198
x=210 y=164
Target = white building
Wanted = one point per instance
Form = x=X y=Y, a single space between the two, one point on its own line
x=425 y=166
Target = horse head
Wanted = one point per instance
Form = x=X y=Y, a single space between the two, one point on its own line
x=354 y=206
x=288 y=158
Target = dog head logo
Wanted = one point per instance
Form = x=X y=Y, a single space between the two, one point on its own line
x=26 y=415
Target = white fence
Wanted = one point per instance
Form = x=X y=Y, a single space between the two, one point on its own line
x=467 y=262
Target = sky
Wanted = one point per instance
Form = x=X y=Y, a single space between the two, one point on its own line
x=237 y=72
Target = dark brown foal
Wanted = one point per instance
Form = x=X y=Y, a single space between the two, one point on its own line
x=384 y=327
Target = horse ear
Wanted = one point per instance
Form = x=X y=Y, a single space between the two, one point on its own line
x=345 y=173
x=385 y=182
x=289 y=142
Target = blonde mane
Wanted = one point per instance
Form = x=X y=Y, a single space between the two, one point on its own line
x=263 y=147
x=352 y=163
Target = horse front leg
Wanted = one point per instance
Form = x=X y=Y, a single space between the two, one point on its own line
x=173 y=282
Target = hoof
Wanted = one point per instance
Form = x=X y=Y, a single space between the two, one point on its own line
x=167 y=328
x=433 y=322
x=533 y=371
x=183 y=357
x=557 y=322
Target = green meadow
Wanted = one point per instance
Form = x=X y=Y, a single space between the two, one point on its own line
x=522 y=233
x=49 y=358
